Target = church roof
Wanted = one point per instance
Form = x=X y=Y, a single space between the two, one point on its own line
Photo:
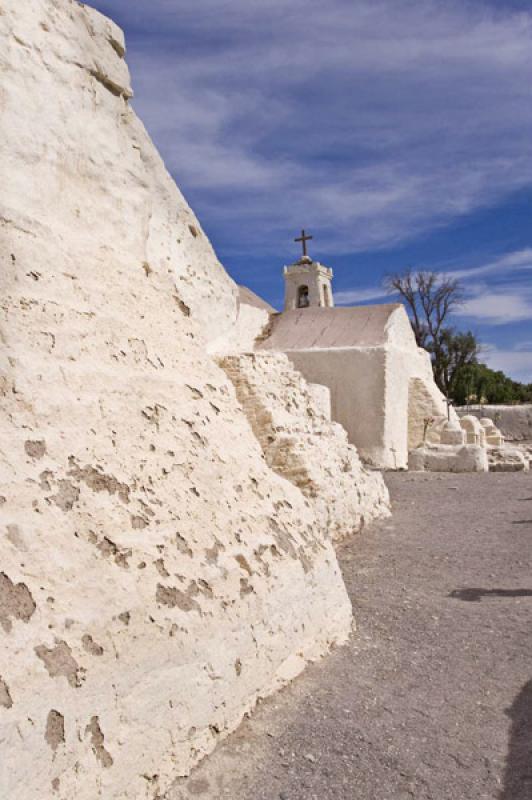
x=249 y=298
x=324 y=328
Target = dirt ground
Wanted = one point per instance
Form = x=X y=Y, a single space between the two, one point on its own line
x=432 y=697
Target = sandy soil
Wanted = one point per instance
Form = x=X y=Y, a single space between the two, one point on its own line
x=432 y=698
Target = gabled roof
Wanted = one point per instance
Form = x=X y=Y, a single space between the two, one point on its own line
x=324 y=328
x=249 y=298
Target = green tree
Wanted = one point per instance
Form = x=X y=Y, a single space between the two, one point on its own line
x=477 y=383
x=458 y=351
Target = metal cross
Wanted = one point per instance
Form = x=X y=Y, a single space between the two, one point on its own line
x=304 y=239
x=450 y=403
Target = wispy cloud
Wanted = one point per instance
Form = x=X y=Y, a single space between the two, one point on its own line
x=517 y=363
x=372 y=121
x=498 y=292
x=498 y=308
x=524 y=346
x=369 y=121
x=509 y=262
x=354 y=296
x=507 y=299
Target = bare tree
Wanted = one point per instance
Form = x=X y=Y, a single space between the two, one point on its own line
x=430 y=300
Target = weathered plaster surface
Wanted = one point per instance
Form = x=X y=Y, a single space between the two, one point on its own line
x=157 y=576
x=301 y=443
x=253 y=321
x=508 y=459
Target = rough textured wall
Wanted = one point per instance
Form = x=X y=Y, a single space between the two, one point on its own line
x=321 y=397
x=301 y=444
x=156 y=576
x=251 y=325
x=78 y=162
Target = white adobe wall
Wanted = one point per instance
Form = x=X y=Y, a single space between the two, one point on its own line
x=251 y=323
x=80 y=52
x=301 y=443
x=411 y=393
x=156 y=576
x=356 y=379
x=381 y=390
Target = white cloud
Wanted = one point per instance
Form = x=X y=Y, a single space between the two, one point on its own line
x=510 y=262
x=508 y=301
x=355 y=296
x=524 y=346
x=498 y=307
x=518 y=364
x=371 y=120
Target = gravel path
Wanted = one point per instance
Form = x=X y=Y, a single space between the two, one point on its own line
x=432 y=698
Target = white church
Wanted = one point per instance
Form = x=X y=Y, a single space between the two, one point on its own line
x=381 y=384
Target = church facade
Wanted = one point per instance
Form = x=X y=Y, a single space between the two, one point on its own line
x=381 y=385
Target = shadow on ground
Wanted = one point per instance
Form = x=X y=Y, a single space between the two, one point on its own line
x=518 y=771
x=476 y=595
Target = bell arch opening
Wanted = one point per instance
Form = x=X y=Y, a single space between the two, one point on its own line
x=302 y=297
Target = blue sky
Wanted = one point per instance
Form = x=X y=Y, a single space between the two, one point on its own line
x=399 y=132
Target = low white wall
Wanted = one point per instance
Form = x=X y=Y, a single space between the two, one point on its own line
x=514 y=422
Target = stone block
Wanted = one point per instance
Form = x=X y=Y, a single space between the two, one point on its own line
x=507 y=459
x=447 y=458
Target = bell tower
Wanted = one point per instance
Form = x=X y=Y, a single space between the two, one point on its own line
x=307 y=283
